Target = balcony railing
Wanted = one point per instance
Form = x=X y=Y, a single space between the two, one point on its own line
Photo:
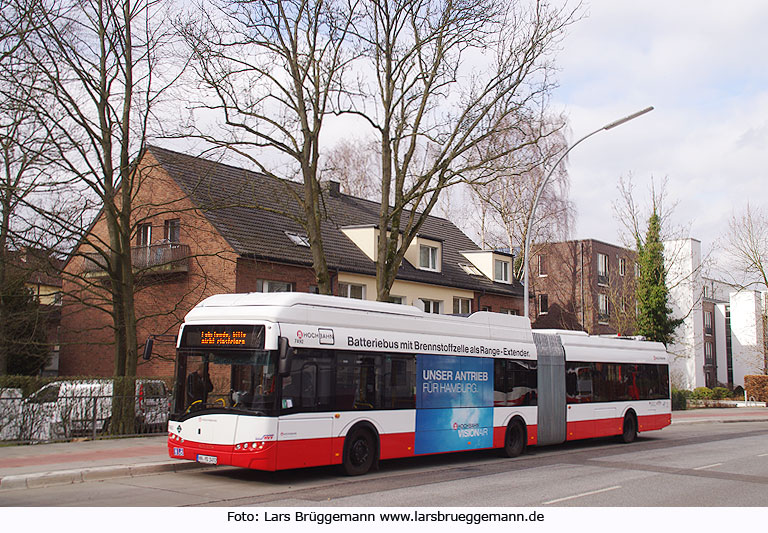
x=156 y=258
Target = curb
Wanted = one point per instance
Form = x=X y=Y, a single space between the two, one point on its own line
x=81 y=475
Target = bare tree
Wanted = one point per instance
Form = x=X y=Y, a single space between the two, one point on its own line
x=433 y=113
x=275 y=69
x=355 y=165
x=508 y=199
x=98 y=61
x=745 y=244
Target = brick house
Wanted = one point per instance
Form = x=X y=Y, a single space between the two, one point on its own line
x=583 y=285
x=203 y=228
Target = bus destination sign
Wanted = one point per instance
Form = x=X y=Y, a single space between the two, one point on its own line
x=229 y=336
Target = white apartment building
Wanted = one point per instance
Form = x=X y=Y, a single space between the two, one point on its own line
x=723 y=335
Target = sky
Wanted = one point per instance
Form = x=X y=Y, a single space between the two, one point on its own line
x=703 y=66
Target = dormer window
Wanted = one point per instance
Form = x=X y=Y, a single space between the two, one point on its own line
x=298 y=240
x=428 y=257
x=501 y=271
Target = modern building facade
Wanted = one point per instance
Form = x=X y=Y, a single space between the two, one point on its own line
x=723 y=334
x=203 y=228
x=584 y=285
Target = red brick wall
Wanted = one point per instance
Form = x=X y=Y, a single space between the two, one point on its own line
x=249 y=271
x=497 y=302
x=87 y=340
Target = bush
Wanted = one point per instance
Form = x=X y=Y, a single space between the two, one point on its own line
x=679 y=400
x=702 y=393
x=720 y=393
x=757 y=387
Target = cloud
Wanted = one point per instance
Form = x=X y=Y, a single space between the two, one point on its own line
x=702 y=65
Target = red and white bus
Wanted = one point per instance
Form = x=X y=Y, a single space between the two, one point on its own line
x=276 y=381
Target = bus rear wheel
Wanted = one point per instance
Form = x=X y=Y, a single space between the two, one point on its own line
x=629 y=431
x=359 y=452
x=514 y=439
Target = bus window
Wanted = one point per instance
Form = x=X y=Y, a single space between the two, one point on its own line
x=308 y=385
x=400 y=382
x=358 y=381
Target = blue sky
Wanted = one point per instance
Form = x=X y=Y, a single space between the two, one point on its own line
x=703 y=65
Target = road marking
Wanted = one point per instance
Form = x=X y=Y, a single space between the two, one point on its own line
x=763 y=455
x=582 y=494
x=707 y=466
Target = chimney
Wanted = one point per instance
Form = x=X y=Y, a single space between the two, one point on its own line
x=334 y=189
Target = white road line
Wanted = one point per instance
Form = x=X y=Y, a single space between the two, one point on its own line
x=707 y=466
x=582 y=494
x=763 y=455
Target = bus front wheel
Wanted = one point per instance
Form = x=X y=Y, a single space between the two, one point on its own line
x=629 y=429
x=359 y=452
x=514 y=439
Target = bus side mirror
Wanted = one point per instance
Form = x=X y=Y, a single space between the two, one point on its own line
x=285 y=353
x=148 y=348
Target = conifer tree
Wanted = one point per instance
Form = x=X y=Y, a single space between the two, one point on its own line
x=654 y=319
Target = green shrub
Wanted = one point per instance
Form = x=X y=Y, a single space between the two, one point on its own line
x=679 y=400
x=720 y=393
x=702 y=393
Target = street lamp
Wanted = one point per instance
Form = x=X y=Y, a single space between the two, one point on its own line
x=526 y=251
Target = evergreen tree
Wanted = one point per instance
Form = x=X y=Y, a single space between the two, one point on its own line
x=654 y=319
x=24 y=334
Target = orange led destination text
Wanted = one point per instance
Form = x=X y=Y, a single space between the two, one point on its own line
x=219 y=339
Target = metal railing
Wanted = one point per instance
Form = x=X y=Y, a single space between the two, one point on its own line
x=36 y=419
x=162 y=257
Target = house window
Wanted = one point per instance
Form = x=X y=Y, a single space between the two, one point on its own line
x=513 y=312
x=172 y=230
x=144 y=235
x=602 y=308
x=396 y=299
x=543 y=304
x=708 y=322
x=707 y=292
x=263 y=285
x=542 y=265
x=431 y=306
x=602 y=269
x=501 y=271
x=462 y=306
x=637 y=270
x=622 y=266
x=486 y=308
x=470 y=269
x=428 y=257
x=708 y=353
x=351 y=290
x=298 y=240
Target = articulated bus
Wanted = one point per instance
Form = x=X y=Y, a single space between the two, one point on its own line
x=288 y=380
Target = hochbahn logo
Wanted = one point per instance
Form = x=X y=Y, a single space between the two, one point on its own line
x=470 y=430
x=323 y=335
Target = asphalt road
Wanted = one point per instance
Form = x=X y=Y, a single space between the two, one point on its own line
x=698 y=465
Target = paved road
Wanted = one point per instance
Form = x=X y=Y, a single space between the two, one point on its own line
x=703 y=464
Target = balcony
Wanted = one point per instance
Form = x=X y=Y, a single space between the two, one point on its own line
x=160 y=258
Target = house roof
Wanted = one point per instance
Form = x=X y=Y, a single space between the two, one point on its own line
x=253 y=212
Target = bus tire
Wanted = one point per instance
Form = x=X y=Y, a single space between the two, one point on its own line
x=514 y=438
x=359 y=451
x=629 y=428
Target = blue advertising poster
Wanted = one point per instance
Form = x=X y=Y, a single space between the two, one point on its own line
x=454 y=400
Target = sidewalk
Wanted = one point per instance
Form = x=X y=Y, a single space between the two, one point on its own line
x=41 y=465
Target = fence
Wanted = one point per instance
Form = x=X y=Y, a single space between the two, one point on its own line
x=66 y=410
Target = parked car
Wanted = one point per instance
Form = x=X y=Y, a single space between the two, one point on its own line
x=10 y=413
x=66 y=409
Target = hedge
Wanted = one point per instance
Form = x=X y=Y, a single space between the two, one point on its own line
x=757 y=388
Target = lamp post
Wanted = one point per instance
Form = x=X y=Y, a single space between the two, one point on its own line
x=539 y=191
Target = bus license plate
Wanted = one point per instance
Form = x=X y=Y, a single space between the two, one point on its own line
x=207 y=459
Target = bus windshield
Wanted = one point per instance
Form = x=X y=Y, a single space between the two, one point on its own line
x=237 y=380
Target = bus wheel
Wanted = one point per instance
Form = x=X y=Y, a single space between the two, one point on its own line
x=629 y=432
x=514 y=439
x=359 y=452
